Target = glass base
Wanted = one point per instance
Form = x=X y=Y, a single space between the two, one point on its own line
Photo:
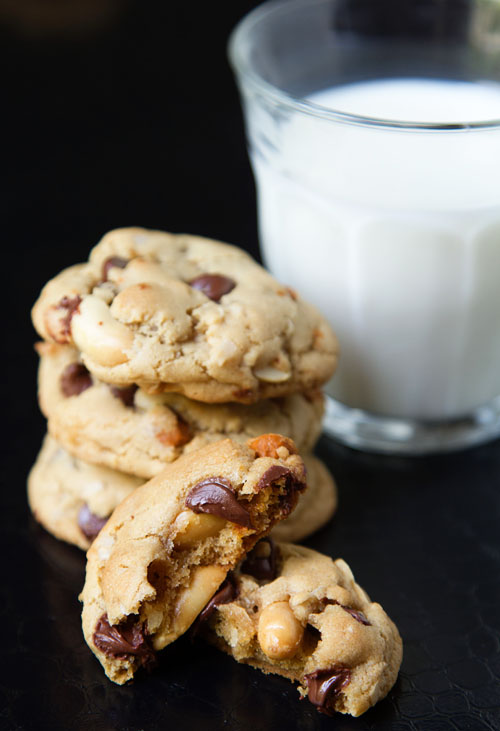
x=373 y=433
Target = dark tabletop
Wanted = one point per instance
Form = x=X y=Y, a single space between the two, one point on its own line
x=115 y=113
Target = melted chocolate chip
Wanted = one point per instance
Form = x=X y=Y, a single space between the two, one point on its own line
x=213 y=286
x=89 y=524
x=271 y=475
x=261 y=562
x=75 y=379
x=358 y=616
x=113 y=261
x=292 y=486
x=70 y=304
x=126 y=395
x=216 y=496
x=355 y=613
x=127 y=638
x=227 y=593
x=324 y=687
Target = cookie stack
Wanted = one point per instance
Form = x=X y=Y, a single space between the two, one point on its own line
x=156 y=346
x=180 y=382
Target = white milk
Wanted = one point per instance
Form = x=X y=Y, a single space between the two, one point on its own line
x=395 y=236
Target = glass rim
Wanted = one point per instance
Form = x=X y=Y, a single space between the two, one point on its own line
x=237 y=49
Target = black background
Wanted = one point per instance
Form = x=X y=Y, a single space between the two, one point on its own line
x=122 y=113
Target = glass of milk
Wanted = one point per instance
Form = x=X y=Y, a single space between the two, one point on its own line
x=375 y=142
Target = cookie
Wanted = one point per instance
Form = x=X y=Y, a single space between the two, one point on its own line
x=73 y=499
x=316 y=505
x=168 y=547
x=297 y=613
x=131 y=431
x=186 y=314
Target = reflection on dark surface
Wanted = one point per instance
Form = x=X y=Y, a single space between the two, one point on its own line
x=428 y=560
x=65 y=560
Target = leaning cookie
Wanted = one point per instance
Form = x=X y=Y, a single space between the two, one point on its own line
x=168 y=547
x=297 y=613
x=71 y=498
x=128 y=430
x=316 y=505
x=186 y=314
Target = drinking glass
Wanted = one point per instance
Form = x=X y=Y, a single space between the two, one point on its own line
x=374 y=135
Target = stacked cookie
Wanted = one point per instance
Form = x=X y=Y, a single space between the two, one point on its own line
x=180 y=382
x=158 y=345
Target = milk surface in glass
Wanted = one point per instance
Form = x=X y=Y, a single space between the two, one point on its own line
x=395 y=235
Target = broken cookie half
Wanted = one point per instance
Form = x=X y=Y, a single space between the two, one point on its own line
x=167 y=549
x=297 y=613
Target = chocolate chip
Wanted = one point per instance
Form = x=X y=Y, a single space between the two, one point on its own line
x=75 y=379
x=127 y=638
x=261 y=562
x=357 y=615
x=126 y=394
x=113 y=261
x=216 y=496
x=274 y=473
x=70 y=304
x=292 y=486
x=89 y=524
x=228 y=592
x=214 y=286
x=324 y=687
